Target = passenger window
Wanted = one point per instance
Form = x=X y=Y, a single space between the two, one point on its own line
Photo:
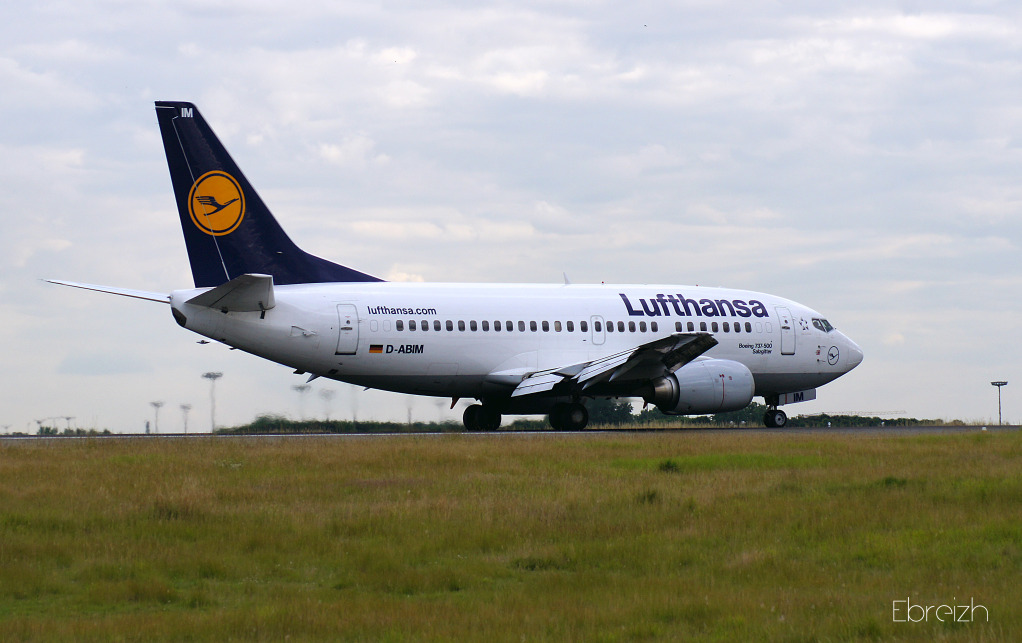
x=557 y=326
x=620 y=327
x=472 y=325
x=521 y=327
x=610 y=327
x=631 y=327
x=400 y=325
x=411 y=324
x=436 y=324
x=702 y=326
x=583 y=326
x=496 y=326
x=727 y=327
x=509 y=326
x=532 y=326
x=571 y=326
x=654 y=327
x=486 y=326
x=748 y=327
x=677 y=327
x=691 y=326
x=450 y=325
x=461 y=325
x=425 y=325
x=598 y=327
x=714 y=326
x=546 y=327
x=642 y=327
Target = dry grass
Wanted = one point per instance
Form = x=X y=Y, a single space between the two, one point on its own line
x=508 y=537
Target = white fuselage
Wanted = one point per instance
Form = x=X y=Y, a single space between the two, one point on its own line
x=474 y=340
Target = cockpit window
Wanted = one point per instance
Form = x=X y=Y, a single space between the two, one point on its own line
x=823 y=325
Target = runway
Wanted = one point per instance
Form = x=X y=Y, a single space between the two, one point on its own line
x=873 y=431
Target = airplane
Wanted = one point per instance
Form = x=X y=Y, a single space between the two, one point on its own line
x=522 y=349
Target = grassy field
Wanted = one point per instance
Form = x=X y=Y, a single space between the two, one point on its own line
x=603 y=537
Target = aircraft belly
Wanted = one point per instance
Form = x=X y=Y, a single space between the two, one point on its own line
x=768 y=383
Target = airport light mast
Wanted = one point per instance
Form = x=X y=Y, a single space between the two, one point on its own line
x=184 y=412
x=156 y=424
x=212 y=377
x=999 y=385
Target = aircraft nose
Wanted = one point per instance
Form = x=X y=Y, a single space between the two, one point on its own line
x=854 y=355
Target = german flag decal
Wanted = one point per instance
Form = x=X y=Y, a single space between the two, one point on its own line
x=376 y=348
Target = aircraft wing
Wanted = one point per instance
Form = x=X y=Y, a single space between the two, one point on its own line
x=124 y=292
x=653 y=359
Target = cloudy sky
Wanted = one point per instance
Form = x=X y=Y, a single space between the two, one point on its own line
x=861 y=159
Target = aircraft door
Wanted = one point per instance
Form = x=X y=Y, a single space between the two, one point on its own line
x=596 y=328
x=347 y=332
x=787 y=331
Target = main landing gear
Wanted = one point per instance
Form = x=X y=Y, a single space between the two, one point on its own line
x=775 y=419
x=563 y=417
x=569 y=416
x=479 y=417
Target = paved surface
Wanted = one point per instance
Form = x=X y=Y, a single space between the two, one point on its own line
x=873 y=431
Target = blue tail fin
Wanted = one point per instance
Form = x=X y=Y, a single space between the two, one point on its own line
x=228 y=230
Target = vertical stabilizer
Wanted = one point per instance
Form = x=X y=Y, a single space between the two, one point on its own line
x=228 y=229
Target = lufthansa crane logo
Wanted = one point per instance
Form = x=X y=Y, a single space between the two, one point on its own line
x=833 y=355
x=216 y=203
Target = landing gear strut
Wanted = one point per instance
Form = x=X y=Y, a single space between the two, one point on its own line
x=775 y=419
x=569 y=417
x=481 y=418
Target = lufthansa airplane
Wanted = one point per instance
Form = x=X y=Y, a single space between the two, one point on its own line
x=515 y=348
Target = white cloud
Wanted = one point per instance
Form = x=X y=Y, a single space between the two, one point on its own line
x=353 y=152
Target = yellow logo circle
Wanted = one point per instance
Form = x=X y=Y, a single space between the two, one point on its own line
x=216 y=203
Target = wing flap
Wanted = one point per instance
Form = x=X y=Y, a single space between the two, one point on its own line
x=537 y=384
x=653 y=359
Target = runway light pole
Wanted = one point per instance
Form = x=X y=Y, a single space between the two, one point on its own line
x=184 y=412
x=156 y=424
x=999 y=385
x=212 y=377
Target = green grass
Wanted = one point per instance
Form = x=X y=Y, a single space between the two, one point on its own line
x=509 y=537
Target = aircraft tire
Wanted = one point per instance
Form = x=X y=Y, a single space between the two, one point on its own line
x=775 y=419
x=576 y=417
x=557 y=417
x=471 y=417
x=569 y=417
x=488 y=418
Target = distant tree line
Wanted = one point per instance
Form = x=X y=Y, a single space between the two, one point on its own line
x=55 y=432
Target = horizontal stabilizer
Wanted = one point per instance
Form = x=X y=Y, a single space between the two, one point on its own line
x=244 y=294
x=163 y=298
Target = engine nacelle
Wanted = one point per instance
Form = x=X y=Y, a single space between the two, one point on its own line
x=704 y=386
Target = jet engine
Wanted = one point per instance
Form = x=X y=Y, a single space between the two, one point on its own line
x=703 y=386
